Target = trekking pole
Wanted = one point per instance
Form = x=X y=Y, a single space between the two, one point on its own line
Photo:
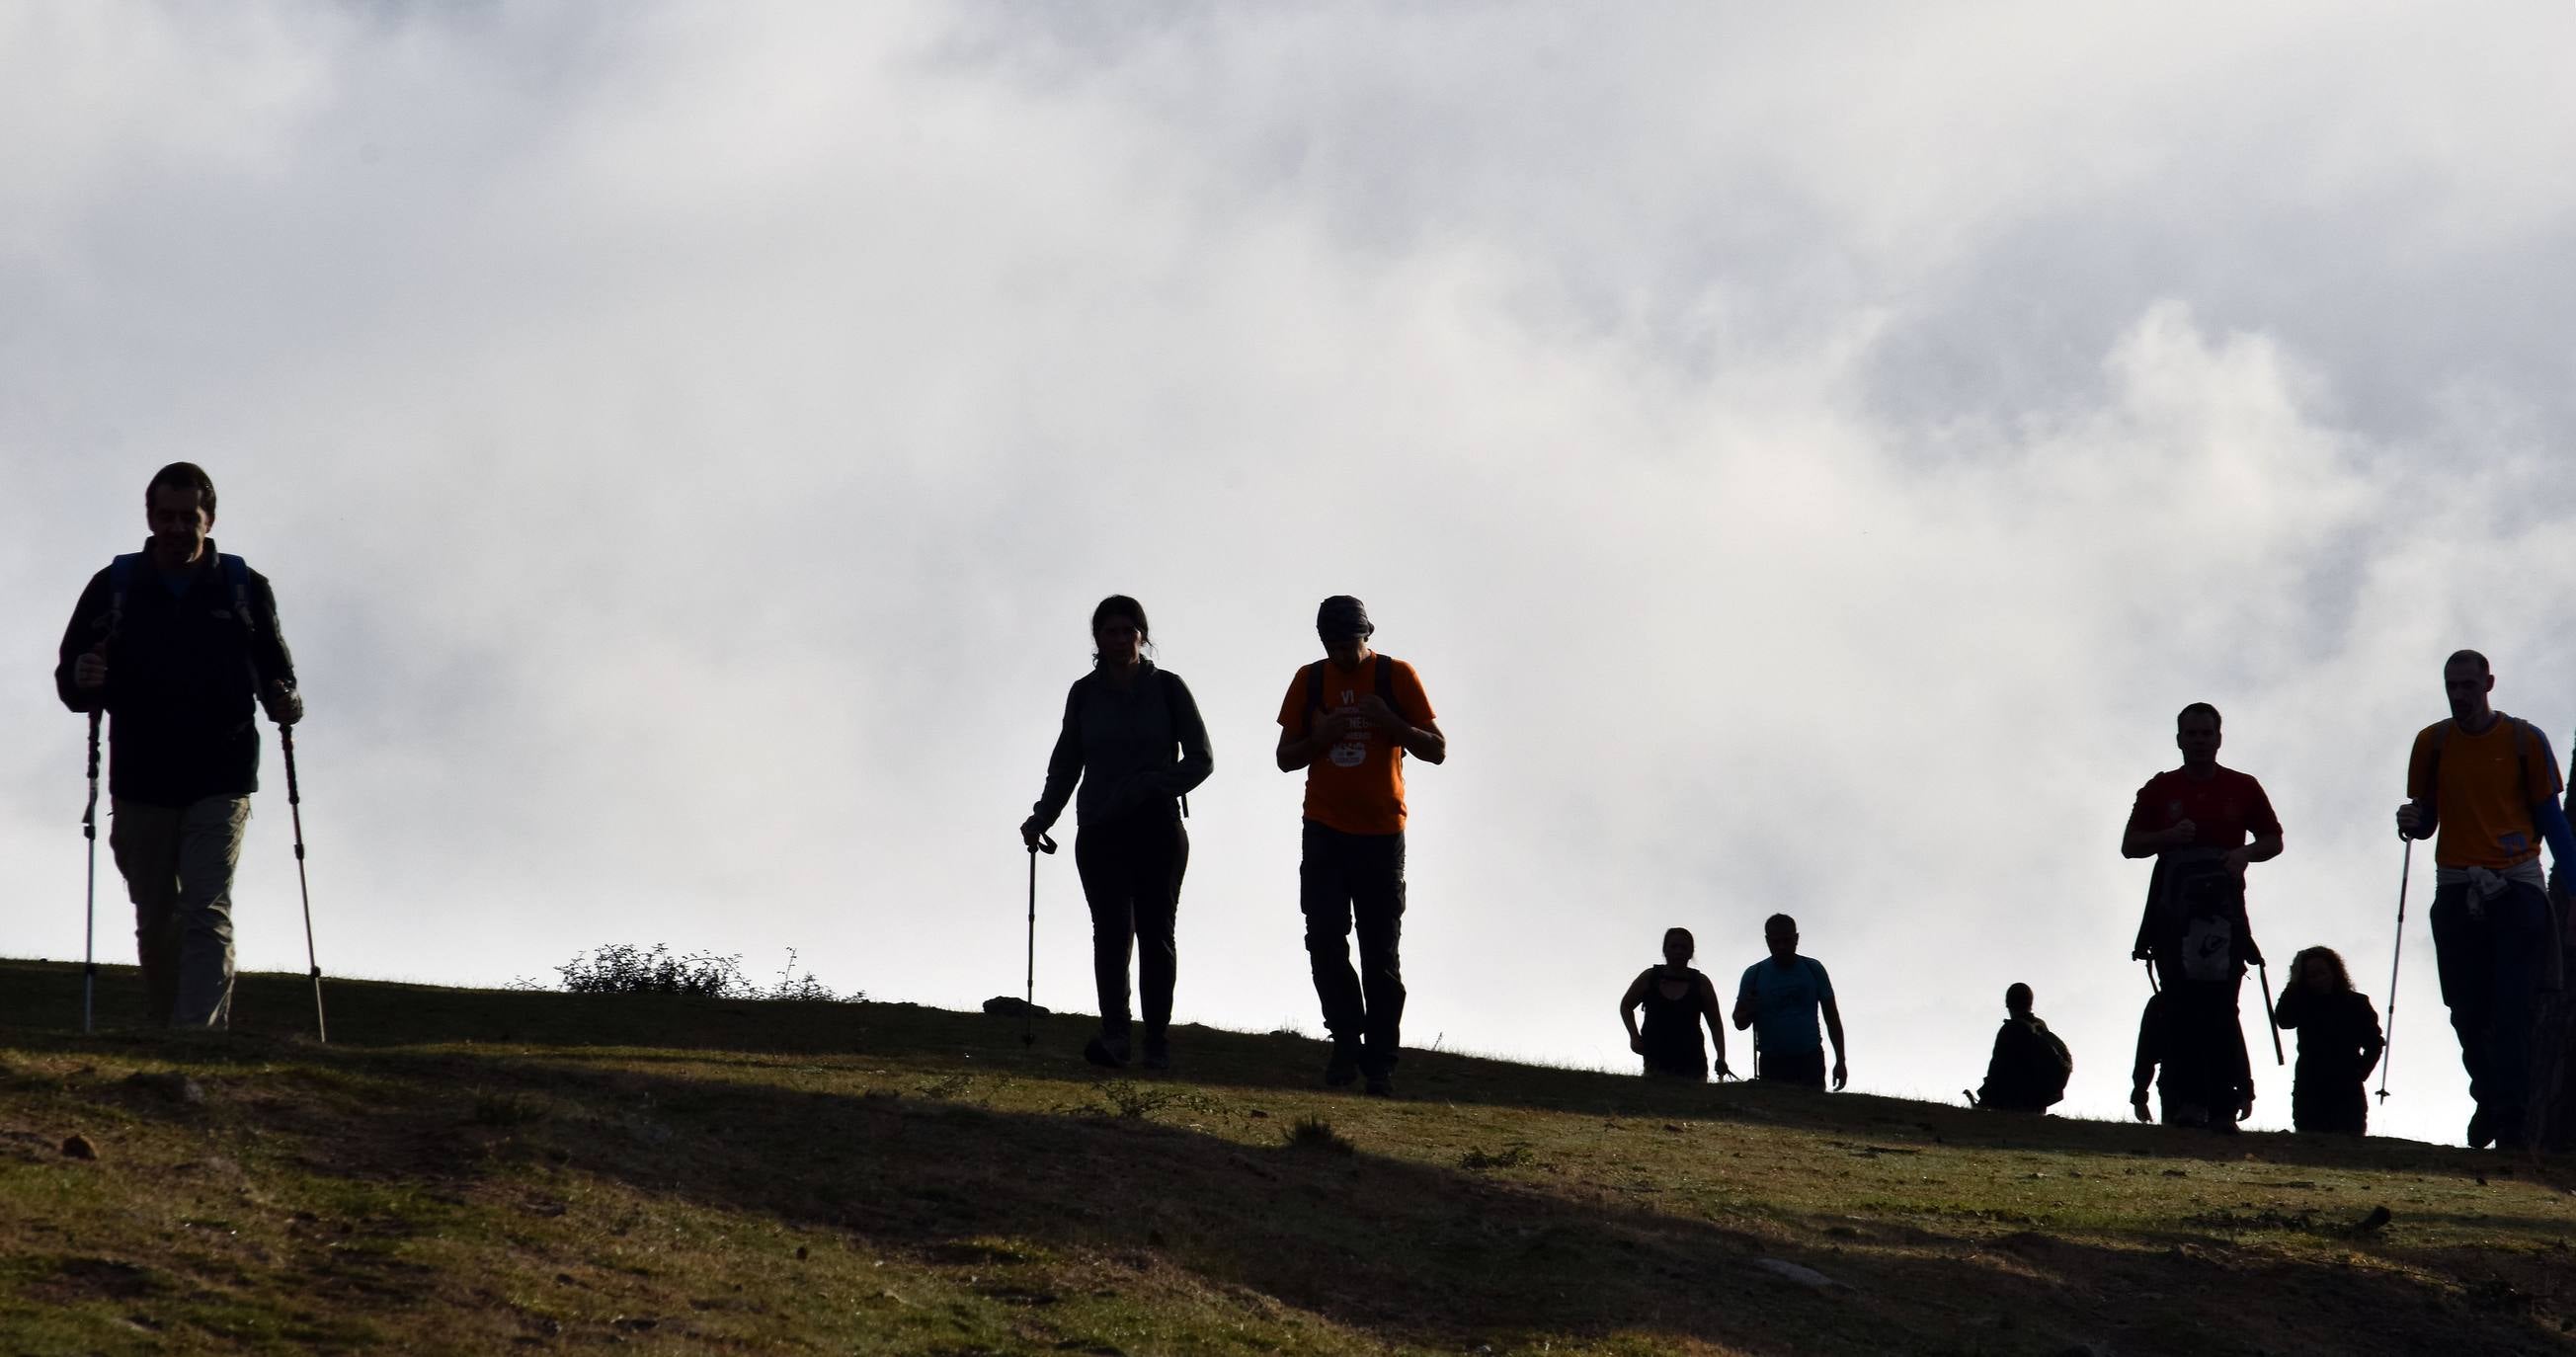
x=1029 y=1003
x=295 y=809
x=2153 y=987
x=2266 y=972
x=89 y=908
x=2388 y=1044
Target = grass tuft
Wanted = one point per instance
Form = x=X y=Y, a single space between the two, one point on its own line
x=1315 y=1133
x=1514 y=1156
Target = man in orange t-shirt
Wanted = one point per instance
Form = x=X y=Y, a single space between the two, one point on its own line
x=1348 y=721
x=2488 y=785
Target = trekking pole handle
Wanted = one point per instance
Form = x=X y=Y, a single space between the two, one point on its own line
x=286 y=746
x=1043 y=845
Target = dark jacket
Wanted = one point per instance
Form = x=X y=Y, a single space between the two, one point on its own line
x=183 y=675
x=1119 y=745
x=2028 y=1070
x=2339 y=1037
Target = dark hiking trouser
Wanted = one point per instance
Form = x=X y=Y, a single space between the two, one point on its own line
x=178 y=865
x=2334 y=1106
x=1131 y=876
x=1806 y=1069
x=2490 y=968
x=1347 y=882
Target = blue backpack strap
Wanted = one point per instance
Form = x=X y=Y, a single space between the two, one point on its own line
x=237 y=579
x=120 y=577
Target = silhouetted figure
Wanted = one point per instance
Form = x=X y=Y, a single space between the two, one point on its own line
x=179 y=645
x=2030 y=1066
x=1676 y=999
x=1779 y=999
x=1122 y=722
x=2339 y=1044
x=1347 y=723
x=2200 y=820
x=2191 y=1046
x=2488 y=785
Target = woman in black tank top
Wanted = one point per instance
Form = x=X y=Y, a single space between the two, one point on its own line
x=1676 y=999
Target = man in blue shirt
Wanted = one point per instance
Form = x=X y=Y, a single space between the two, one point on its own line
x=1779 y=1000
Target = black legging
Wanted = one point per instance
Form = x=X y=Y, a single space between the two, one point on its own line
x=1131 y=875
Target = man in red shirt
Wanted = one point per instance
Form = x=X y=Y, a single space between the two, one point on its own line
x=2195 y=821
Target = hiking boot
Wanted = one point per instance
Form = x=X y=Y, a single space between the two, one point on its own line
x=1158 y=1053
x=1381 y=1084
x=2481 y=1130
x=1106 y=1051
x=1344 y=1066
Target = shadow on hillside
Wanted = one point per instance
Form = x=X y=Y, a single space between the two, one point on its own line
x=1397 y=1250
x=39 y=1004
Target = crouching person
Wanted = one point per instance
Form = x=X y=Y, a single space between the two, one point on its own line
x=2030 y=1066
x=2191 y=1046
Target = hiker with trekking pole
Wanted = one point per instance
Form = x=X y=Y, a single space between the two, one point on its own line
x=1122 y=724
x=2484 y=786
x=1347 y=723
x=177 y=648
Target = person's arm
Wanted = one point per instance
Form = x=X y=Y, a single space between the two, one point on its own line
x=2373 y=1042
x=2264 y=848
x=1744 y=1001
x=1197 y=758
x=270 y=660
x=1064 y=769
x=2422 y=813
x=2137 y=841
x=1628 y=1003
x=2291 y=1008
x=1424 y=742
x=86 y=635
x=2243 y=1068
x=1299 y=751
x=2143 y=1071
x=1716 y=1021
x=1999 y=1065
x=2547 y=815
x=1834 y=1030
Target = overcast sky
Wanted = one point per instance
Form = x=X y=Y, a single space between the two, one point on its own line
x=1808 y=455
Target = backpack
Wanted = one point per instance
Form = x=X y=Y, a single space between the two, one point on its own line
x=2062 y=1065
x=2209 y=947
x=1315 y=689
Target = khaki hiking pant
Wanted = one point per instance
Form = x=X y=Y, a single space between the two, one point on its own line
x=178 y=864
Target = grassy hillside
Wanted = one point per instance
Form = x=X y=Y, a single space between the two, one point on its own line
x=469 y=1171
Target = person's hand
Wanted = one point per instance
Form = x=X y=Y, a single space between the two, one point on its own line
x=1373 y=709
x=2409 y=820
x=2138 y=1105
x=1636 y=1044
x=2246 y=1108
x=285 y=705
x=1032 y=829
x=1841 y=1076
x=1726 y=1071
x=2181 y=833
x=2140 y=954
x=2235 y=862
x=90 y=670
x=1335 y=726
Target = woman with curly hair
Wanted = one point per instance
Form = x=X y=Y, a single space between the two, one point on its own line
x=2339 y=1044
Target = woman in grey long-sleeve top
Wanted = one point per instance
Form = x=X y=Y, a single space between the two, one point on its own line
x=1121 y=722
